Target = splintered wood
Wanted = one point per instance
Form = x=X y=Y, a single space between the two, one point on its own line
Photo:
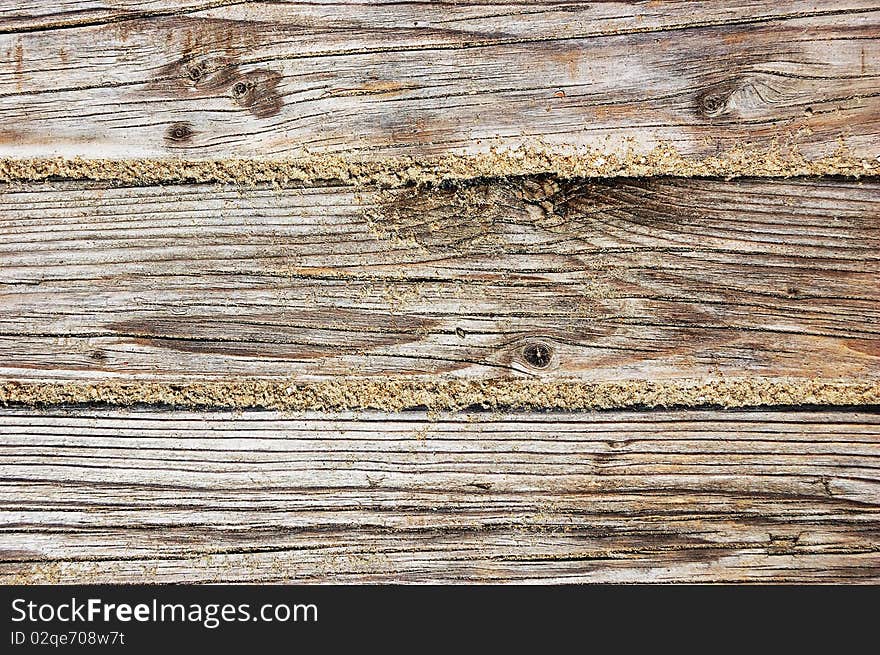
x=549 y=291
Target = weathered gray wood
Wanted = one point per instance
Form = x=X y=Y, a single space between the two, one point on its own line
x=619 y=280
x=488 y=17
x=541 y=279
x=222 y=79
x=116 y=496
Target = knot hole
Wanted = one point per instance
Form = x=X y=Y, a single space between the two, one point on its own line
x=537 y=354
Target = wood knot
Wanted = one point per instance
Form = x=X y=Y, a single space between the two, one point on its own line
x=239 y=90
x=258 y=93
x=793 y=292
x=179 y=133
x=196 y=72
x=714 y=102
x=537 y=354
x=746 y=97
x=254 y=90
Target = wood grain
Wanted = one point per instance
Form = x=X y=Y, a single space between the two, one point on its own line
x=492 y=280
x=278 y=79
x=626 y=279
x=152 y=496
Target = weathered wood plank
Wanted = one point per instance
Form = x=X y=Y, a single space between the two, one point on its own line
x=436 y=19
x=218 y=79
x=628 y=279
x=115 y=496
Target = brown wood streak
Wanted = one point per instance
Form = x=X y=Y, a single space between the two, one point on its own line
x=272 y=79
x=117 y=496
x=652 y=279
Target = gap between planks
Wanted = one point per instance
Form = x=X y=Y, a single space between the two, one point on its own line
x=399 y=394
x=775 y=161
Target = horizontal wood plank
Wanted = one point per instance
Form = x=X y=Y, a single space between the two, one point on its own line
x=117 y=496
x=289 y=79
x=627 y=279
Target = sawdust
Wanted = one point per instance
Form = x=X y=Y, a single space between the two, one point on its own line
x=776 y=160
x=401 y=394
x=460 y=218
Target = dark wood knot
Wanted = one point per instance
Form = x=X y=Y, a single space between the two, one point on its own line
x=793 y=292
x=537 y=354
x=196 y=72
x=258 y=92
x=713 y=104
x=240 y=90
x=716 y=100
x=179 y=133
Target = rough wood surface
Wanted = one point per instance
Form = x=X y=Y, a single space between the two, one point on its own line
x=338 y=272
x=223 y=79
x=116 y=496
x=650 y=279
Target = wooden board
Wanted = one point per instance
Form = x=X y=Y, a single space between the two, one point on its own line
x=152 y=496
x=414 y=252
x=280 y=79
x=628 y=279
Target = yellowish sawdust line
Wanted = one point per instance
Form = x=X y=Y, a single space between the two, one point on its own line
x=448 y=394
x=773 y=161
